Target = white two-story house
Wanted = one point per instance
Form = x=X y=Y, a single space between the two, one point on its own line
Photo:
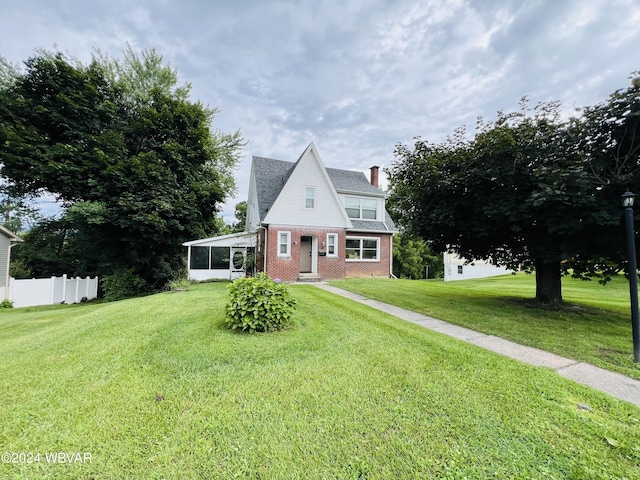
x=305 y=221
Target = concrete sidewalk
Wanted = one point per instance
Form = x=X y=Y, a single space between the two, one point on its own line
x=615 y=384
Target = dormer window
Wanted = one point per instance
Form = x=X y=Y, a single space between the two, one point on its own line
x=361 y=208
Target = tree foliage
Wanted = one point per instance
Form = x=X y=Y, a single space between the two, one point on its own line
x=529 y=190
x=412 y=258
x=134 y=163
x=17 y=214
x=241 y=217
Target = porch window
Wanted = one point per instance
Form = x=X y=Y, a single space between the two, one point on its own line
x=199 y=258
x=363 y=249
x=220 y=257
x=332 y=244
x=284 y=244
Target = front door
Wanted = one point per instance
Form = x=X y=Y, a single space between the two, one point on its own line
x=237 y=263
x=306 y=248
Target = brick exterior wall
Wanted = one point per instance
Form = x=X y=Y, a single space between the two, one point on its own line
x=371 y=269
x=328 y=268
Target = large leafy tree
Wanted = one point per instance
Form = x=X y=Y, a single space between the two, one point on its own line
x=134 y=163
x=17 y=214
x=241 y=217
x=521 y=193
x=413 y=259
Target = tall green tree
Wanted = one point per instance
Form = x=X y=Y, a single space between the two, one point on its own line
x=522 y=192
x=137 y=174
x=8 y=72
x=412 y=258
x=241 y=217
x=17 y=214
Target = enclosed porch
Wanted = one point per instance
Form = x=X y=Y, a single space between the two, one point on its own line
x=225 y=258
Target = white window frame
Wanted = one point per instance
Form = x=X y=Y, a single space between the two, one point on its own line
x=286 y=243
x=360 y=259
x=334 y=236
x=360 y=209
x=306 y=190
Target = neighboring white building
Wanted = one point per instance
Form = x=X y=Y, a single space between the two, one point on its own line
x=7 y=240
x=457 y=268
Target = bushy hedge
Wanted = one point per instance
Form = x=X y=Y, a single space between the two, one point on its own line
x=6 y=304
x=259 y=304
x=123 y=284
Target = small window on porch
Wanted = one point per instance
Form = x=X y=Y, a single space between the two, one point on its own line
x=284 y=244
x=332 y=244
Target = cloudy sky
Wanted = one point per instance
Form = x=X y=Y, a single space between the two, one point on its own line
x=356 y=77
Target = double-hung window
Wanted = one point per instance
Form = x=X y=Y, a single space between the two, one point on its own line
x=332 y=244
x=361 y=208
x=363 y=249
x=284 y=244
x=309 y=197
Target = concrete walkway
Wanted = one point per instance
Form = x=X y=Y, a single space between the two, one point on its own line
x=615 y=384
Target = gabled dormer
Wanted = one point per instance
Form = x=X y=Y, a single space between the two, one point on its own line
x=307 y=193
x=301 y=194
x=363 y=201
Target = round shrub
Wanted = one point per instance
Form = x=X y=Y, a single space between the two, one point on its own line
x=259 y=304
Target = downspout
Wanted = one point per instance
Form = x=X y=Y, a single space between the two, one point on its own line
x=266 y=237
x=8 y=274
x=391 y=275
x=189 y=262
x=384 y=210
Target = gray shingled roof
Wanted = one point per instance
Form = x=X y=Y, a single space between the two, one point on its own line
x=350 y=181
x=271 y=175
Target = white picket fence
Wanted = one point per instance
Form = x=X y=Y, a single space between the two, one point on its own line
x=49 y=291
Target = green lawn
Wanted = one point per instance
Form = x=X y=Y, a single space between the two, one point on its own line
x=594 y=326
x=156 y=387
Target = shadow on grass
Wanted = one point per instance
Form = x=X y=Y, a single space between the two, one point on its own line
x=564 y=307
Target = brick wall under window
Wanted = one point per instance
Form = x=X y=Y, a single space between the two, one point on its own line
x=372 y=269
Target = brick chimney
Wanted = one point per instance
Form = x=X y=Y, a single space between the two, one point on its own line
x=374 y=176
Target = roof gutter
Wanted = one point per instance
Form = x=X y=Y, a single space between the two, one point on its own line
x=363 y=194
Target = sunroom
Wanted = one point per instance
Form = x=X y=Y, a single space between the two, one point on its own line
x=225 y=258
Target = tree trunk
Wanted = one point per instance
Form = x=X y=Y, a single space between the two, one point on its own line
x=548 y=282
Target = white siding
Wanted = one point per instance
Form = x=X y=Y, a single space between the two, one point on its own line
x=288 y=209
x=253 y=214
x=4 y=260
x=479 y=269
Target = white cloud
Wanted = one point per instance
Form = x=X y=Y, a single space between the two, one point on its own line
x=354 y=77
